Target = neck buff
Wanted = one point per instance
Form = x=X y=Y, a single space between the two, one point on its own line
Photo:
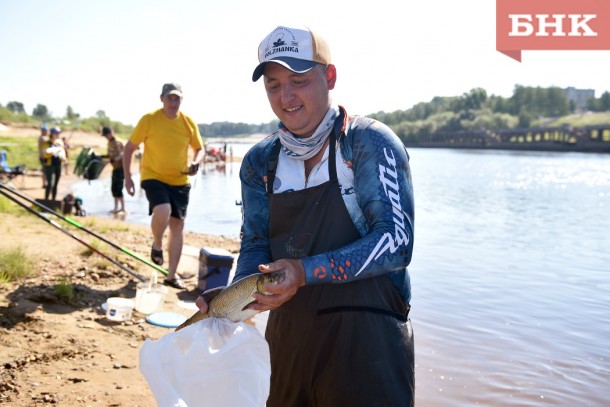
x=303 y=148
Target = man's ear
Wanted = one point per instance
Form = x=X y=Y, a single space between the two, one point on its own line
x=331 y=76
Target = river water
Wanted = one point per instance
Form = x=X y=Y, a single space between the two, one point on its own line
x=510 y=272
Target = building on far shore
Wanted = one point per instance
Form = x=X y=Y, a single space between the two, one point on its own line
x=579 y=97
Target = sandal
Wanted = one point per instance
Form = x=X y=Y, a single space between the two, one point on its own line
x=176 y=283
x=156 y=255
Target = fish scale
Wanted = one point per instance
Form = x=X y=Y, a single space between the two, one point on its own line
x=232 y=301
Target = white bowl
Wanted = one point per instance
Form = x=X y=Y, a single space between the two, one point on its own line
x=119 y=309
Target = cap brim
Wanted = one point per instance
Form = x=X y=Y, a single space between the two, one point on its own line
x=173 y=92
x=294 y=64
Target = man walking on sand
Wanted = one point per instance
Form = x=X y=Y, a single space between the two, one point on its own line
x=167 y=133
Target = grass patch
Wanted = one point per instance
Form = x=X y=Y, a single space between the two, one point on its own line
x=102 y=229
x=89 y=222
x=21 y=150
x=102 y=264
x=87 y=251
x=24 y=150
x=15 y=264
x=119 y=227
x=581 y=120
x=64 y=290
x=7 y=206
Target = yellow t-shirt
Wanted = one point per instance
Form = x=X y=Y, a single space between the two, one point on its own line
x=166 y=143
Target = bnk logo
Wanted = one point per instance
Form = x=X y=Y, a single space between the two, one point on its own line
x=551 y=25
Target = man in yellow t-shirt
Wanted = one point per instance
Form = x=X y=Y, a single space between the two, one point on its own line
x=166 y=133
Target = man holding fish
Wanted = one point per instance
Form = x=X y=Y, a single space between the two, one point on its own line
x=328 y=203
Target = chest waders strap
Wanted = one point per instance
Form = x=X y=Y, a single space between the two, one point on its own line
x=272 y=165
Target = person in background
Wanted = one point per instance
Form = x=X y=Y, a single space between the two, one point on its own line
x=328 y=202
x=54 y=156
x=64 y=140
x=42 y=139
x=167 y=134
x=115 y=156
x=72 y=205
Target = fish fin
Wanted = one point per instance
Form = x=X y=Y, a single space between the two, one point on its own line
x=247 y=306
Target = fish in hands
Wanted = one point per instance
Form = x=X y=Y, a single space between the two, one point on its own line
x=233 y=301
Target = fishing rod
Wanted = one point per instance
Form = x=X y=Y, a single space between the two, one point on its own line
x=72 y=235
x=91 y=232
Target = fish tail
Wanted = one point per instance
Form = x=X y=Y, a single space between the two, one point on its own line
x=197 y=316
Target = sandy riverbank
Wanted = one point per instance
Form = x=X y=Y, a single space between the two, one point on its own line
x=54 y=352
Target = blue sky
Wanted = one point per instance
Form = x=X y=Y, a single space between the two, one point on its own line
x=114 y=55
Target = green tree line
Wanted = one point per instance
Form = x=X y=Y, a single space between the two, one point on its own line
x=475 y=110
x=15 y=112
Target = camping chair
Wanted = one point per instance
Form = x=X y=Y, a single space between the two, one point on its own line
x=8 y=172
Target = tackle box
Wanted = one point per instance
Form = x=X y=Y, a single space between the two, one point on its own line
x=214 y=267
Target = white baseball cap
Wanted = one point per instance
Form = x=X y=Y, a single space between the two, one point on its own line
x=297 y=49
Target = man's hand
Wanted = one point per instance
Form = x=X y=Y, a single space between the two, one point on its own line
x=127 y=156
x=193 y=169
x=129 y=186
x=280 y=293
x=204 y=299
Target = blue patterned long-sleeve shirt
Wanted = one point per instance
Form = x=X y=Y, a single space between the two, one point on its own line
x=375 y=179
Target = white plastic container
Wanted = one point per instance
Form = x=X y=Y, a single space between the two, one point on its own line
x=150 y=295
x=119 y=309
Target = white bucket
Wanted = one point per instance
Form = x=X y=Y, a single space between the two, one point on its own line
x=150 y=295
x=119 y=309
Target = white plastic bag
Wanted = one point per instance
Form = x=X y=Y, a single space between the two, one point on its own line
x=214 y=362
